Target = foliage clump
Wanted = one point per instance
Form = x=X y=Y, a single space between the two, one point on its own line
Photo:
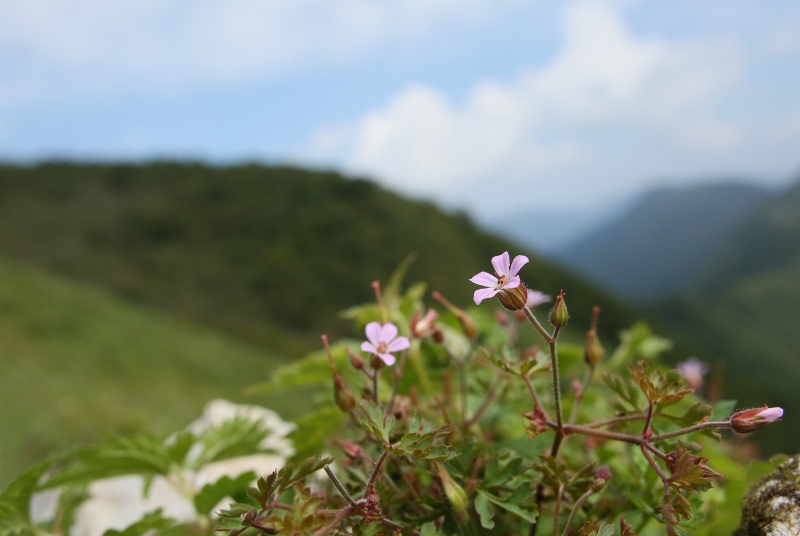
x=458 y=422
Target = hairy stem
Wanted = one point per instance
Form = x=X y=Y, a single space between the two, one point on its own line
x=375 y=470
x=575 y=508
x=339 y=486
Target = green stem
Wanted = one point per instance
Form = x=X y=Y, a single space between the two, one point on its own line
x=573 y=416
x=557 y=394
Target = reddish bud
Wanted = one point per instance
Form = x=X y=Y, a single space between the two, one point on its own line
x=751 y=420
x=355 y=360
x=438 y=336
x=513 y=299
x=342 y=395
x=351 y=449
x=593 y=351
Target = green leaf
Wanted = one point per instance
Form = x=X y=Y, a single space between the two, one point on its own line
x=723 y=409
x=142 y=455
x=424 y=441
x=370 y=416
x=527 y=512
x=236 y=437
x=691 y=416
x=211 y=494
x=179 y=447
x=484 y=510
x=151 y=522
x=315 y=430
x=16 y=497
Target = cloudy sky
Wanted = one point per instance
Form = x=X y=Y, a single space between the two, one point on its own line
x=487 y=105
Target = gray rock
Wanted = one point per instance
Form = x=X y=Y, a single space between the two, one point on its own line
x=772 y=506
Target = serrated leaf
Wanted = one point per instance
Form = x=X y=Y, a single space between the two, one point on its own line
x=16 y=497
x=151 y=522
x=179 y=446
x=142 y=455
x=236 y=437
x=624 y=388
x=211 y=494
x=292 y=472
x=484 y=510
x=692 y=415
x=370 y=416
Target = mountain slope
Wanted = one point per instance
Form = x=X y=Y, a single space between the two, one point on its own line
x=746 y=307
x=660 y=245
x=258 y=252
x=77 y=364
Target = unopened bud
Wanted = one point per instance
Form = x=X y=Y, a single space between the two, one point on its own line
x=342 y=395
x=466 y=322
x=351 y=449
x=593 y=352
x=751 y=420
x=513 y=299
x=559 y=316
x=424 y=327
x=601 y=475
x=454 y=492
x=356 y=360
x=438 y=336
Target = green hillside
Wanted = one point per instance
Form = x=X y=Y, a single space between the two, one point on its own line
x=746 y=309
x=77 y=364
x=255 y=251
x=131 y=295
x=660 y=245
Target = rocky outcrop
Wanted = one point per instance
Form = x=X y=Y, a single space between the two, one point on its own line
x=772 y=506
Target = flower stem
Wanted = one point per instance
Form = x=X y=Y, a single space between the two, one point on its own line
x=339 y=486
x=375 y=470
x=556 y=394
x=575 y=508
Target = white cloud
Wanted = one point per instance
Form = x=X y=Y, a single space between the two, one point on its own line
x=95 y=45
x=552 y=127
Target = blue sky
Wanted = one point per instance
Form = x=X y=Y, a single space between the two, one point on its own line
x=487 y=105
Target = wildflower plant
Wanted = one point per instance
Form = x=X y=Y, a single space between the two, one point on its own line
x=447 y=421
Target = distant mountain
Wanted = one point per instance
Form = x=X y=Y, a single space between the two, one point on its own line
x=660 y=245
x=547 y=230
x=745 y=310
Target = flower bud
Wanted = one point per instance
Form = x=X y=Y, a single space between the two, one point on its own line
x=352 y=450
x=425 y=327
x=559 y=316
x=438 y=336
x=593 y=352
x=342 y=395
x=751 y=420
x=513 y=299
x=454 y=492
x=356 y=360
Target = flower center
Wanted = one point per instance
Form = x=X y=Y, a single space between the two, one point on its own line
x=382 y=347
x=502 y=280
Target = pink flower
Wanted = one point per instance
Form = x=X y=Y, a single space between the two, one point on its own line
x=536 y=298
x=505 y=276
x=382 y=340
x=693 y=371
x=751 y=420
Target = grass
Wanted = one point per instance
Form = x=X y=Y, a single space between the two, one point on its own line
x=77 y=364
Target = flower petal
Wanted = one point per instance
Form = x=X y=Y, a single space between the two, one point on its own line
x=484 y=293
x=387 y=358
x=485 y=279
x=516 y=266
x=400 y=343
x=373 y=331
x=501 y=263
x=388 y=332
x=368 y=347
x=514 y=283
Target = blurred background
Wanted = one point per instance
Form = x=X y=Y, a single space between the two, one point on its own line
x=189 y=193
